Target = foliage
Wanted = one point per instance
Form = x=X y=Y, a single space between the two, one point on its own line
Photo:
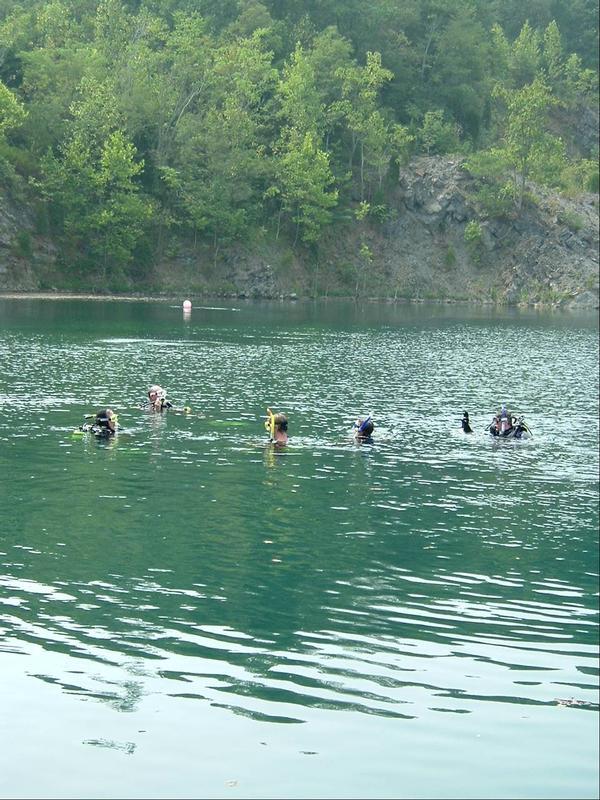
x=473 y=237
x=473 y=231
x=218 y=120
x=91 y=188
x=527 y=150
x=572 y=220
x=450 y=257
x=12 y=112
x=304 y=178
x=436 y=136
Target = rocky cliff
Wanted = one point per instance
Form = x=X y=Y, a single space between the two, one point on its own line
x=547 y=253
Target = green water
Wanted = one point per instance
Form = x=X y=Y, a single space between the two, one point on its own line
x=187 y=612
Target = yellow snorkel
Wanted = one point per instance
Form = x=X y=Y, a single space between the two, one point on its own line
x=270 y=423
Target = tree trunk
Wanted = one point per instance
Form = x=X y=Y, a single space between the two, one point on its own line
x=362 y=171
x=215 y=250
x=427 y=46
x=352 y=151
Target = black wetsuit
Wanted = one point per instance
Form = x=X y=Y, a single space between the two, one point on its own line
x=101 y=426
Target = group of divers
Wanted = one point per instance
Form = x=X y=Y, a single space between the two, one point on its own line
x=504 y=425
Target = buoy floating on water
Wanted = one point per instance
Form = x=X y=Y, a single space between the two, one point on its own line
x=187 y=305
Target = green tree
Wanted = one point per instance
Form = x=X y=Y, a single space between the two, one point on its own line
x=300 y=101
x=525 y=138
x=436 y=136
x=368 y=128
x=221 y=158
x=527 y=150
x=12 y=112
x=459 y=81
x=525 y=56
x=91 y=184
x=303 y=184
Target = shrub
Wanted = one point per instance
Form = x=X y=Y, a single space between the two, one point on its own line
x=22 y=245
x=450 y=257
x=473 y=237
x=572 y=220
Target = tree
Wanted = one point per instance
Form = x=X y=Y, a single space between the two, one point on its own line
x=459 y=79
x=91 y=183
x=122 y=214
x=526 y=148
x=221 y=152
x=436 y=135
x=12 y=112
x=364 y=120
x=304 y=178
x=525 y=138
x=300 y=101
x=525 y=56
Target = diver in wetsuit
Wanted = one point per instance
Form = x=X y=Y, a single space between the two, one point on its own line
x=157 y=399
x=105 y=423
x=465 y=424
x=363 y=428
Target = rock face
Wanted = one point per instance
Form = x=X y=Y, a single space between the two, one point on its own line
x=22 y=254
x=547 y=253
x=433 y=242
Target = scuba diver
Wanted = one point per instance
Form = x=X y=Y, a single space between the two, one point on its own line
x=276 y=425
x=363 y=428
x=104 y=424
x=465 y=424
x=502 y=423
x=506 y=426
x=157 y=399
x=505 y=419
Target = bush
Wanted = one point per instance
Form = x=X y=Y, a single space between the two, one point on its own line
x=450 y=257
x=593 y=182
x=572 y=220
x=436 y=136
x=473 y=232
x=22 y=245
x=495 y=200
x=473 y=237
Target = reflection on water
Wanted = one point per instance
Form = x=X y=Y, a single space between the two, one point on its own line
x=427 y=587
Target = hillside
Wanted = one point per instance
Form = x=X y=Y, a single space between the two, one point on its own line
x=547 y=253
x=430 y=149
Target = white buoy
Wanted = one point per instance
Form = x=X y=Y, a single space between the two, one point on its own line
x=187 y=305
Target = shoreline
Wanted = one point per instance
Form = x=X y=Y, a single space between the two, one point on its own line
x=79 y=296
x=149 y=298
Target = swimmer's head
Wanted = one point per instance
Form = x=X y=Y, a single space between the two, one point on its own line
x=107 y=419
x=280 y=422
x=276 y=424
x=156 y=393
x=363 y=427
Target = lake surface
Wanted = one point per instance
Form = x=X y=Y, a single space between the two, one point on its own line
x=186 y=611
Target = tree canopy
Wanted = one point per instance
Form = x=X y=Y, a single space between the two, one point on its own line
x=136 y=120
